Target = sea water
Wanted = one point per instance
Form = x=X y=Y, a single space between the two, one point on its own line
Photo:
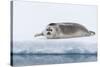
x=41 y=59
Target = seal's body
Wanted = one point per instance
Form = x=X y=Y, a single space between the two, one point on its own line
x=65 y=30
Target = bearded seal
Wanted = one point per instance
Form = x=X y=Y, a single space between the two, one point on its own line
x=65 y=30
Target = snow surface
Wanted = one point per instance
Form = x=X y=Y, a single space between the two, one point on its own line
x=58 y=46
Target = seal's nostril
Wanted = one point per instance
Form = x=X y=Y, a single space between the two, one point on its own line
x=48 y=33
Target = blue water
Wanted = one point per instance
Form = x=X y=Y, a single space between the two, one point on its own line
x=36 y=59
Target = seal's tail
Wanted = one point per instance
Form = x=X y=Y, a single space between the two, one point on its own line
x=39 y=34
x=92 y=33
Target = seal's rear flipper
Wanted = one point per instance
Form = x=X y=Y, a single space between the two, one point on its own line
x=92 y=33
x=39 y=34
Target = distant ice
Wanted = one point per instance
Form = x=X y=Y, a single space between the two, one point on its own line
x=58 y=46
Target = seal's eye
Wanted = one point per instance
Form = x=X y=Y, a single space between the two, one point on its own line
x=49 y=29
x=48 y=33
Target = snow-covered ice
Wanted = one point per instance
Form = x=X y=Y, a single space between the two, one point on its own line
x=58 y=46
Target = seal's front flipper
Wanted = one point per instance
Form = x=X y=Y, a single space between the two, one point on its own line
x=39 y=34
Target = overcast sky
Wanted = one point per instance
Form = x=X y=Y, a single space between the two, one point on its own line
x=32 y=17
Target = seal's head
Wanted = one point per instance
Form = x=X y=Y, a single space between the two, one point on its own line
x=50 y=31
